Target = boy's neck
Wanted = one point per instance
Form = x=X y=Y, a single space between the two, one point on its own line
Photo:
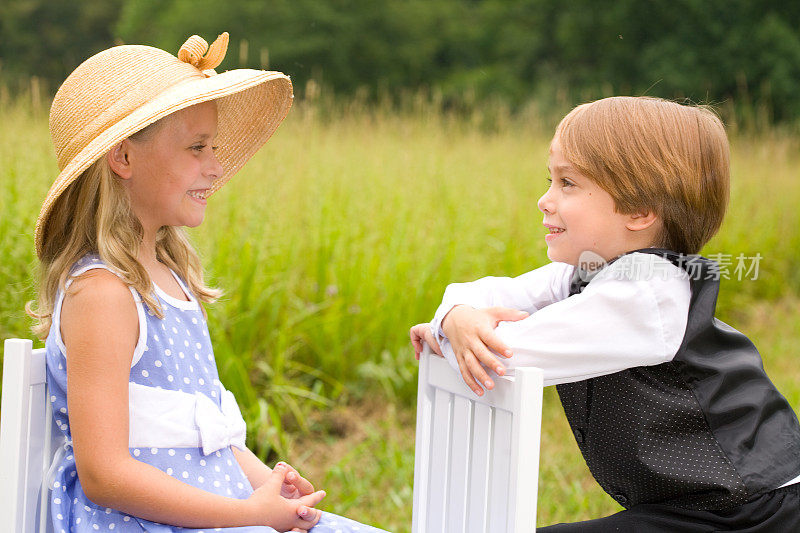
x=593 y=262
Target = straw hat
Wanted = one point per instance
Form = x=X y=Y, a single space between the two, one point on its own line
x=119 y=91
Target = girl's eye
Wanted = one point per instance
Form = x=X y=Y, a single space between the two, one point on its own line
x=199 y=147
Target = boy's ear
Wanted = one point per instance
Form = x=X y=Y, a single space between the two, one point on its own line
x=118 y=160
x=641 y=221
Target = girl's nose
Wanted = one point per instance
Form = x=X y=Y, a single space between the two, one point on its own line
x=215 y=169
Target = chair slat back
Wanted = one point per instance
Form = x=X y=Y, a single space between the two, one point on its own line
x=477 y=458
x=27 y=441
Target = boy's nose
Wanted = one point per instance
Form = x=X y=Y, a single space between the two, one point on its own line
x=545 y=203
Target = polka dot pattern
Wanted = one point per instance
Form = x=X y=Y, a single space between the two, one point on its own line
x=183 y=328
x=645 y=439
x=708 y=430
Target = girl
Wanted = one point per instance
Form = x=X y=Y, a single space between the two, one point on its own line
x=671 y=408
x=151 y=437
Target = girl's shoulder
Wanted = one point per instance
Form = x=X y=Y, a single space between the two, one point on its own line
x=92 y=281
x=88 y=263
x=95 y=298
x=93 y=278
x=94 y=301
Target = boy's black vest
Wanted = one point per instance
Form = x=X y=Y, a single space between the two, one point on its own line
x=707 y=430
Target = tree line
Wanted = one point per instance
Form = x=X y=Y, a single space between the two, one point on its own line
x=712 y=51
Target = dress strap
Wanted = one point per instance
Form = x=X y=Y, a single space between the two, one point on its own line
x=185 y=305
x=141 y=343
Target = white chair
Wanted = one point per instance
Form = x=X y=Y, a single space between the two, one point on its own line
x=27 y=440
x=477 y=458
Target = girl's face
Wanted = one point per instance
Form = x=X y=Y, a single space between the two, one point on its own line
x=580 y=215
x=171 y=173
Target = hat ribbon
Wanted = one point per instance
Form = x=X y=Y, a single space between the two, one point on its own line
x=196 y=51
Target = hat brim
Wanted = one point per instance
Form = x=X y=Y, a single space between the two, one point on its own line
x=251 y=104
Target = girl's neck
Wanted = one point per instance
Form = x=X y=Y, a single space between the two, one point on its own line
x=147 y=251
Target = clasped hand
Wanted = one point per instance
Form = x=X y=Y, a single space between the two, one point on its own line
x=286 y=501
x=472 y=337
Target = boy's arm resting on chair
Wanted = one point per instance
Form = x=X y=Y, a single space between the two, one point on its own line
x=528 y=292
x=619 y=321
x=485 y=303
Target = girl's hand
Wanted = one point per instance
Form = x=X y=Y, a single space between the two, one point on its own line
x=269 y=508
x=471 y=334
x=294 y=485
x=422 y=333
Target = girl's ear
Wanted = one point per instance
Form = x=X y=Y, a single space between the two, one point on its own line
x=118 y=160
x=641 y=221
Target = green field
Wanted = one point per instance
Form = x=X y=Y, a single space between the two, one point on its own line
x=343 y=232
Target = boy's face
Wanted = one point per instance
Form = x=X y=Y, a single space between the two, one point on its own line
x=580 y=216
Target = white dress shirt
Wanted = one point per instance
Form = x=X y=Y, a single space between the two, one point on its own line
x=633 y=313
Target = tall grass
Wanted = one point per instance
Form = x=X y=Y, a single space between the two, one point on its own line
x=344 y=230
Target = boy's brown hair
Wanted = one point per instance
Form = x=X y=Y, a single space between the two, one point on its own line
x=654 y=155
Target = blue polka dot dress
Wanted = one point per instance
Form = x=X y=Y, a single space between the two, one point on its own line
x=172 y=354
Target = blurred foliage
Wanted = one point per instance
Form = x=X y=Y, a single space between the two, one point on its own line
x=49 y=39
x=461 y=50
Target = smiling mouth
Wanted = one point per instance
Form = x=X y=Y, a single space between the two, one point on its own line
x=199 y=194
x=553 y=229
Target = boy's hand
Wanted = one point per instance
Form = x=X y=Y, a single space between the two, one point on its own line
x=420 y=333
x=269 y=508
x=471 y=334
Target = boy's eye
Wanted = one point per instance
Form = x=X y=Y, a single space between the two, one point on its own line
x=564 y=182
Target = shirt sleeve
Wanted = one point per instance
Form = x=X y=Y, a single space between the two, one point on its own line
x=529 y=292
x=633 y=313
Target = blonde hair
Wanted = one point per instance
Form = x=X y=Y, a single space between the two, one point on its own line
x=94 y=215
x=654 y=155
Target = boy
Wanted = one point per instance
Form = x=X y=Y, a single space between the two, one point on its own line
x=670 y=408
